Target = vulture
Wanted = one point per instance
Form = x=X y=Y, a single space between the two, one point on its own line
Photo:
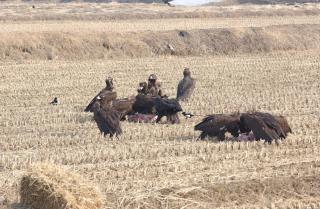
x=218 y=124
x=169 y=108
x=106 y=95
x=143 y=103
x=185 y=86
x=107 y=119
x=55 y=101
x=263 y=126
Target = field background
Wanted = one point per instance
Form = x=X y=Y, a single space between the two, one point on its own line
x=244 y=57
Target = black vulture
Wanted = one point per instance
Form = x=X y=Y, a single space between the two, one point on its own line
x=169 y=108
x=106 y=95
x=107 y=119
x=263 y=126
x=218 y=124
x=185 y=86
x=55 y=101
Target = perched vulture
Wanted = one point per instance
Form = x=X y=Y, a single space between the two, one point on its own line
x=263 y=126
x=106 y=95
x=124 y=106
x=107 y=119
x=169 y=108
x=55 y=101
x=185 y=86
x=218 y=124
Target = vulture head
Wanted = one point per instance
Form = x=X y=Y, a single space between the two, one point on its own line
x=186 y=72
x=109 y=83
x=142 y=89
x=152 y=79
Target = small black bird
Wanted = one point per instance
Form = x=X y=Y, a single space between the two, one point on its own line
x=168 y=2
x=187 y=115
x=55 y=101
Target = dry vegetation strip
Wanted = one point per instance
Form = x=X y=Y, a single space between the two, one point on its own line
x=68 y=46
x=153 y=24
x=86 y=11
x=162 y=166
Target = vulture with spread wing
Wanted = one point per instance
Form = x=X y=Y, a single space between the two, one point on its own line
x=107 y=119
x=218 y=124
x=106 y=96
x=185 y=86
x=263 y=126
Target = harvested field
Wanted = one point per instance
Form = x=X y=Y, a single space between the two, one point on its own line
x=247 y=64
x=158 y=164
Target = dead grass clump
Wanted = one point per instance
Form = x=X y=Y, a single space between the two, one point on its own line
x=219 y=41
x=48 y=186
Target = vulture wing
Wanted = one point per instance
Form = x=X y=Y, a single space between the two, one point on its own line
x=218 y=124
x=263 y=126
x=144 y=104
x=185 y=88
x=105 y=95
x=284 y=125
x=124 y=106
x=272 y=122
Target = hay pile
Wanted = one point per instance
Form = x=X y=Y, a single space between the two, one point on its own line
x=48 y=186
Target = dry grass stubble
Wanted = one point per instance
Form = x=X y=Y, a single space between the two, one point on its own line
x=162 y=166
x=220 y=41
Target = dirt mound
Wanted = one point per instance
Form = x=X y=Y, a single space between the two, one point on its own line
x=69 y=46
x=277 y=192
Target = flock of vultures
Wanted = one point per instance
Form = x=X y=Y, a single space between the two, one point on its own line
x=150 y=105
